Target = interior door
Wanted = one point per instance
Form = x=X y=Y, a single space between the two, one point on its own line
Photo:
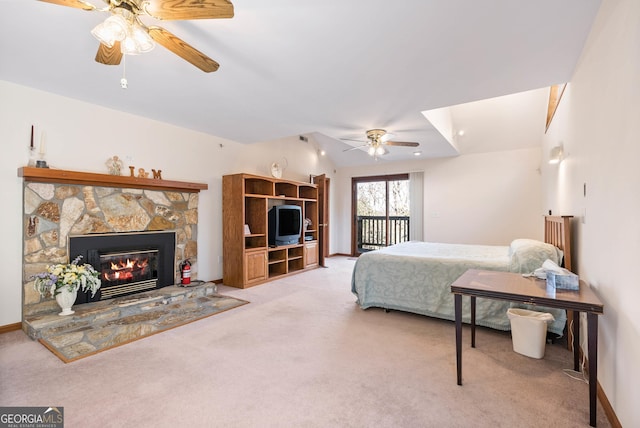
x=323 y=217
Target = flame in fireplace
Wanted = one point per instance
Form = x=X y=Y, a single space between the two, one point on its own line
x=124 y=270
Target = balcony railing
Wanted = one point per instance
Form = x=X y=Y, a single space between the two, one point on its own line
x=372 y=232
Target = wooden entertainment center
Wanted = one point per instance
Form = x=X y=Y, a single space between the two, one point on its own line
x=248 y=259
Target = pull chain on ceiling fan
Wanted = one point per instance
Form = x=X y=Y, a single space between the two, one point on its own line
x=124 y=33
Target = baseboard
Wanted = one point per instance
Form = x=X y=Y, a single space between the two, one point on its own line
x=10 y=327
x=604 y=400
x=339 y=254
x=608 y=409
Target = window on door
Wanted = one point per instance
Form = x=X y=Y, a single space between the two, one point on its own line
x=380 y=208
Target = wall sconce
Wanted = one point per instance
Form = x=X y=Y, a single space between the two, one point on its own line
x=556 y=155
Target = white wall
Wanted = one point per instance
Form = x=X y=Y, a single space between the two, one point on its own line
x=81 y=137
x=489 y=198
x=598 y=122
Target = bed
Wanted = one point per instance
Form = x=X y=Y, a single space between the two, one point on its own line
x=416 y=276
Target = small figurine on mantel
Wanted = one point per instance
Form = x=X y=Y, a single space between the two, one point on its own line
x=115 y=165
x=142 y=173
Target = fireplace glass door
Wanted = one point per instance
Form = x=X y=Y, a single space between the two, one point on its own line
x=128 y=272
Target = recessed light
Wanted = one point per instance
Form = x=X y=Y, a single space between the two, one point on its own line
x=417 y=153
x=461 y=132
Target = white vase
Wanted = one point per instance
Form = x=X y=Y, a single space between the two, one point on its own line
x=65 y=300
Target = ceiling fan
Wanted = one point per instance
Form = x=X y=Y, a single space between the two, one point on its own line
x=123 y=32
x=377 y=140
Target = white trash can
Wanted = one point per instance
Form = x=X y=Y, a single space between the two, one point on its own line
x=529 y=331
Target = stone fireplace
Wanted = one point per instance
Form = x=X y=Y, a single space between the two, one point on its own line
x=65 y=213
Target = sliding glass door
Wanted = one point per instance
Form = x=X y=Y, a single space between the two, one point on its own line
x=380 y=207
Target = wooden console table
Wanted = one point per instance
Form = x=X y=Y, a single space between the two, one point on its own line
x=516 y=288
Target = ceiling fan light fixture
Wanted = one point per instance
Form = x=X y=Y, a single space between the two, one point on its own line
x=137 y=41
x=371 y=151
x=113 y=29
x=144 y=42
x=129 y=46
x=379 y=150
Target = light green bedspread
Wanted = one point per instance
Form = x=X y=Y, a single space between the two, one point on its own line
x=416 y=277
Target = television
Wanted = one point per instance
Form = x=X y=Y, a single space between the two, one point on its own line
x=285 y=224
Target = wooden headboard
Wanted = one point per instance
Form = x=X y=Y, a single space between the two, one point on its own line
x=557 y=231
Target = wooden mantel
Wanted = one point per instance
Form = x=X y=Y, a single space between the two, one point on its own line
x=49 y=175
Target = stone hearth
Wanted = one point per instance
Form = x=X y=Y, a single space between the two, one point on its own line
x=106 y=311
x=98 y=326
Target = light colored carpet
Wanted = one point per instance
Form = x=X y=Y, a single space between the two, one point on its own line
x=302 y=354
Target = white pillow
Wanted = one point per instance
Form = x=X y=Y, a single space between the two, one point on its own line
x=528 y=255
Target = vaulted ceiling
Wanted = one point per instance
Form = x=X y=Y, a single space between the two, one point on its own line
x=327 y=69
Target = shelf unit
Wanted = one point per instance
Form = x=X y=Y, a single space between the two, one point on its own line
x=247 y=258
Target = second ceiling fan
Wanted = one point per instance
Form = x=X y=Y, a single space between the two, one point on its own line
x=377 y=140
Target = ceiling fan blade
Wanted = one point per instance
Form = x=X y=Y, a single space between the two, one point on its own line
x=78 y=4
x=402 y=143
x=355 y=148
x=386 y=137
x=353 y=139
x=109 y=56
x=189 y=9
x=182 y=49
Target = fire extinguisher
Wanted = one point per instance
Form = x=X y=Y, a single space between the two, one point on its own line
x=185 y=272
